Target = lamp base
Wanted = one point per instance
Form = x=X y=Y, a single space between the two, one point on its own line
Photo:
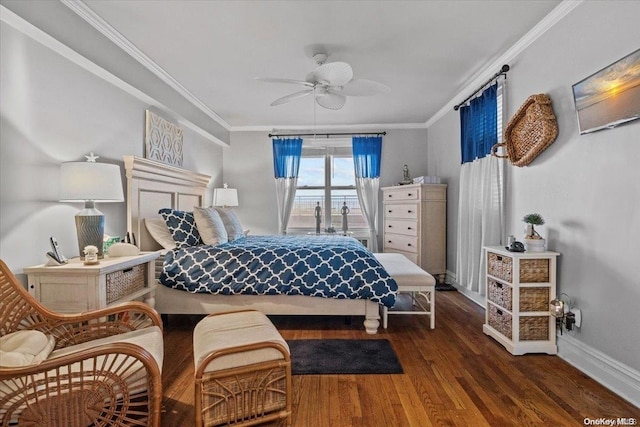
x=90 y=230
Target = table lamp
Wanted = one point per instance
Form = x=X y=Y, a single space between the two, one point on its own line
x=225 y=197
x=90 y=182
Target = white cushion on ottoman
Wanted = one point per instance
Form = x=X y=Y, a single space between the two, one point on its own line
x=229 y=330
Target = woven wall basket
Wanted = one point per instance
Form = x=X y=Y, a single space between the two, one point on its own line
x=530 y=131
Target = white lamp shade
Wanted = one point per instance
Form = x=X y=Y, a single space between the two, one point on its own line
x=225 y=197
x=81 y=181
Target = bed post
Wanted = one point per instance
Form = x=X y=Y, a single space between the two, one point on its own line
x=371 y=317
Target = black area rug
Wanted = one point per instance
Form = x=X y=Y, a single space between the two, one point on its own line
x=372 y=356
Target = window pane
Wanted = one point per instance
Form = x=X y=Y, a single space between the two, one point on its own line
x=303 y=211
x=355 y=219
x=311 y=172
x=343 y=173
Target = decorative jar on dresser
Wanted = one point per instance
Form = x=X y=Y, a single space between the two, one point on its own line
x=75 y=287
x=520 y=286
x=415 y=224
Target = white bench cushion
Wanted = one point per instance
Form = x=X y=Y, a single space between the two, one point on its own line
x=406 y=274
x=229 y=330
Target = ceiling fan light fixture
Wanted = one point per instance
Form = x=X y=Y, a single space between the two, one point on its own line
x=331 y=83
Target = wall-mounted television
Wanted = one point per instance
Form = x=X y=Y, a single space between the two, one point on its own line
x=609 y=97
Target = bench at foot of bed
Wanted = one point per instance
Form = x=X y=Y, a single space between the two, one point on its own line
x=413 y=280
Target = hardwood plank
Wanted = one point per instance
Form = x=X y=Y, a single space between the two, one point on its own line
x=454 y=375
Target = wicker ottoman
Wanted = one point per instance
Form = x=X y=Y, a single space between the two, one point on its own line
x=242 y=370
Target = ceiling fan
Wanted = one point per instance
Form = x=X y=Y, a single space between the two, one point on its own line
x=330 y=83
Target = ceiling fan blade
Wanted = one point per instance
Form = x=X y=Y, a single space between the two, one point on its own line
x=277 y=80
x=331 y=101
x=291 y=97
x=362 y=87
x=334 y=73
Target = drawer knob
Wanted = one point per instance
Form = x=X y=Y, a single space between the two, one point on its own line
x=409 y=194
x=409 y=211
x=408 y=244
x=409 y=228
x=126 y=270
x=389 y=226
x=499 y=311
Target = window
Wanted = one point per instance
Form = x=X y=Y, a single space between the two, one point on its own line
x=326 y=177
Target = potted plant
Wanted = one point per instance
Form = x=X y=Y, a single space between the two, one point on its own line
x=532 y=239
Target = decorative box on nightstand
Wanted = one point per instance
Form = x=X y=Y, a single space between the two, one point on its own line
x=520 y=286
x=75 y=287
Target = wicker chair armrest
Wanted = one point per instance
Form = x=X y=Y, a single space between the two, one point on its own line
x=108 y=377
x=71 y=329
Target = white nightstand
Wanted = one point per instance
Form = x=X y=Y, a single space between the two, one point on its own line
x=75 y=287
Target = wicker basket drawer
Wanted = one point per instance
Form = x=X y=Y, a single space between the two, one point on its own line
x=534 y=299
x=534 y=328
x=500 y=266
x=500 y=321
x=124 y=282
x=534 y=271
x=499 y=293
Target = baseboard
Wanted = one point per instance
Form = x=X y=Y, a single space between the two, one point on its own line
x=473 y=296
x=617 y=377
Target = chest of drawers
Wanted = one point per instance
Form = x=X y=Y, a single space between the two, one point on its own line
x=520 y=286
x=415 y=224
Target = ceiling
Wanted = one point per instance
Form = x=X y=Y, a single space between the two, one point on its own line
x=427 y=52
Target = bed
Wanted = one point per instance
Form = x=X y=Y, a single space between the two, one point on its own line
x=152 y=186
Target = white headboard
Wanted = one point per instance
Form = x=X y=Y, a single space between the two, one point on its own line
x=151 y=186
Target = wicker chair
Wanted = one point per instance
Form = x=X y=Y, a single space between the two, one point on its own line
x=104 y=368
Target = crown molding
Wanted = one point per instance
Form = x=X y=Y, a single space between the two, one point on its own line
x=36 y=34
x=93 y=19
x=559 y=12
x=335 y=128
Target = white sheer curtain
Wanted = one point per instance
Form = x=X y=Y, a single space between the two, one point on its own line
x=285 y=194
x=367 y=154
x=286 y=165
x=480 y=219
x=368 y=189
x=481 y=200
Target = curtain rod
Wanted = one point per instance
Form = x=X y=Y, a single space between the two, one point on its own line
x=503 y=71
x=327 y=134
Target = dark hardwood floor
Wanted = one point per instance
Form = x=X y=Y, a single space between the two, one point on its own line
x=453 y=376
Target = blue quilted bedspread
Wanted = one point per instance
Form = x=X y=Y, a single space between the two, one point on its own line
x=323 y=266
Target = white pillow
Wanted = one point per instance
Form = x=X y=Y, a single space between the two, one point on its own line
x=160 y=232
x=231 y=223
x=23 y=348
x=210 y=226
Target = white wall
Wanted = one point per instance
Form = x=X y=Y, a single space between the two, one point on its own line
x=248 y=166
x=586 y=187
x=52 y=111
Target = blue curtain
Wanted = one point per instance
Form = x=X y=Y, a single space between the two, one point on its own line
x=367 y=152
x=479 y=125
x=286 y=157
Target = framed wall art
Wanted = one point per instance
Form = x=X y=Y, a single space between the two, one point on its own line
x=163 y=140
x=609 y=97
